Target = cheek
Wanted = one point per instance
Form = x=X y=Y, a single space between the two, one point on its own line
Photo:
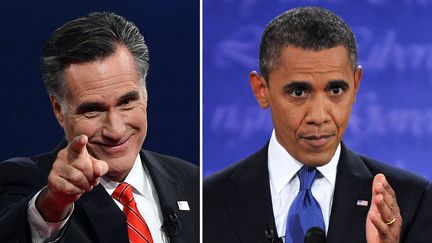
x=137 y=117
x=81 y=126
x=289 y=118
x=341 y=116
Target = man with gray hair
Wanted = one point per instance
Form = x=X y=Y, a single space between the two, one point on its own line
x=98 y=185
x=305 y=185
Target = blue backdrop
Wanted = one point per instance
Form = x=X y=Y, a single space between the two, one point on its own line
x=392 y=118
x=171 y=30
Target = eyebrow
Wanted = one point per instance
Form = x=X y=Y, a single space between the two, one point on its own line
x=89 y=106
x=99 y=106
x=337 y=83
x=131 y=95
x=303 y=85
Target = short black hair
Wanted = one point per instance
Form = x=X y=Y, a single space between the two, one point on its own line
x=310 y=28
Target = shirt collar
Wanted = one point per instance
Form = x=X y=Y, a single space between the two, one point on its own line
x=283 y=167
x=136 y=178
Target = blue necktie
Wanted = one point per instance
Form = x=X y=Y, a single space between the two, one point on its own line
x=305 y=211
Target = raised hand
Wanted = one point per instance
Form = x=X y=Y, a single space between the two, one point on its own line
x=384 y=222
x=74 y=172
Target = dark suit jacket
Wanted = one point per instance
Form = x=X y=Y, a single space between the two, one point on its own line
x=96 y=217
x=237 y=201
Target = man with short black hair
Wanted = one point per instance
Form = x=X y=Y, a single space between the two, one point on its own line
x=305 y=182
x=98 y=185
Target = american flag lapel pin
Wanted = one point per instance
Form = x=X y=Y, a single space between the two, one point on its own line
x=363 y=203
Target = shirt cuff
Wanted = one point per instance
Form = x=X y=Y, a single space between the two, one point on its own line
x=41 y=230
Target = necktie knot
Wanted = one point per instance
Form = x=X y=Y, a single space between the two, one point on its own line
x=306 y=176
x=123 y=193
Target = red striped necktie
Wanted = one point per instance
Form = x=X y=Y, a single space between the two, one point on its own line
x=138 y=230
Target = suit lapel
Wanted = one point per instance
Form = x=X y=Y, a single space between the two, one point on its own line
x=107 y=220
x=353 y=183
x=170 y=188
x=249 y=203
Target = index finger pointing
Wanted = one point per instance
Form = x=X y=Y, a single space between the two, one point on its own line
x=78 y=144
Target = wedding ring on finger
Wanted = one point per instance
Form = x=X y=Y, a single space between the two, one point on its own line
x=390 y=222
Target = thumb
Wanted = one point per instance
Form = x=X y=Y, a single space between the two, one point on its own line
x=100 y=167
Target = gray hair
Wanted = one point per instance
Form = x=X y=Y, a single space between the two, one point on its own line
x=86 y=39
x=310 y=28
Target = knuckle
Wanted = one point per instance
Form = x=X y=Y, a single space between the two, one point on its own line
x=51 y=177
x=69 y=189
x=400 y=221
x=81 y=163
x=87 y=165
x=62 y=155
x=75 y=177
x=62 y=152
x=53 y=182
x=57 y=167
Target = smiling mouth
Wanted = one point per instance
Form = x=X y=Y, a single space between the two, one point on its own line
x=317 y=141
x=113 y=148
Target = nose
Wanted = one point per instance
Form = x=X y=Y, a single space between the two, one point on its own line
x=114 y=126
x=318 y=111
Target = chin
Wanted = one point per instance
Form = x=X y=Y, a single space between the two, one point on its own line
x=316 y=160
x=118 y=171
x=125 y=161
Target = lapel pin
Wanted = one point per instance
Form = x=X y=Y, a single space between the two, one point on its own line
x=183 y=205
x=363 y=203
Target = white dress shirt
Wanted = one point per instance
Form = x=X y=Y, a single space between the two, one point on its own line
x=285 y=184
x=41 y=230
x=145 y=196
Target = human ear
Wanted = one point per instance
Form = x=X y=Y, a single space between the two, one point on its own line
x=57 y=108
x=260 y=88
x=357 y=77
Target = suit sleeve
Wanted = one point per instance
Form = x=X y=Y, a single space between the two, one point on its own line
x=217 y=225
x=20 y=179
x=420 y=229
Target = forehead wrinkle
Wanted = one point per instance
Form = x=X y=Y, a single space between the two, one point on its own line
x=93 y=81
x=108 y=91
x=294 y=58
x=309 y=75
x=84 y=85
x=304 y=67
x=100 y=95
